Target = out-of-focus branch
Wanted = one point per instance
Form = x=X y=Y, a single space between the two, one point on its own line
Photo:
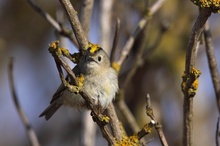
x=30 y=131
x=89 y=128
x=164 y=26
x=212 y=63
x=157 y=125
x=138 y=59
x=142 y=53
x=115 y=40
x=217 y=133
x=127 y=48
x=190 y=78
x=75 y=24
x=86 y=14
x=59 y=28
x=125 y=111
x=105 y=24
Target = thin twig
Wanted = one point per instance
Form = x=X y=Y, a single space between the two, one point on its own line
x=30 y=131
x=138 y=59
x=212 y=63
x=115 y=40
x=63 y=31
x=217 y=133
x=163 y=28
x=142 y=55
x=157 y=125
x=189 y=65
x=141 y=25
x=75 y=24
x=146 y=129
x=86 y=14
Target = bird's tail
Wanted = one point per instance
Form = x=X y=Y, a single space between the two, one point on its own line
x=50 y=110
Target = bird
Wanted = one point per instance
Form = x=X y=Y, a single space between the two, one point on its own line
x=100 y=83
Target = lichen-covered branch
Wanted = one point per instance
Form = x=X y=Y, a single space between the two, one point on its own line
x=190 y=77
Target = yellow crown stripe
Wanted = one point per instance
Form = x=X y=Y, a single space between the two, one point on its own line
x=93 y=48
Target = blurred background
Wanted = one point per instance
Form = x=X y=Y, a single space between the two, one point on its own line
x=25 y=35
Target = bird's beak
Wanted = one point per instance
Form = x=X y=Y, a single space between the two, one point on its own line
x=89 y=58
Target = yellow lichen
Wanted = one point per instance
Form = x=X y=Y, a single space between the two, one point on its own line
x=214 y=4
x=92 y=48
x=195 y=84
x=129 y=141
x=54 y=44
x=64 y=51
x=191 y=79
x=105 y=119
x=116 y=66
x=80 y=80
x=196 y=73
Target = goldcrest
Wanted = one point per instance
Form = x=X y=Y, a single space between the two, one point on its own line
x=100 y=83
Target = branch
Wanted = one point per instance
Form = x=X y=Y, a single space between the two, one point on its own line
x=30 y=131
x=212 y=63
x=157 y=125
x=190 y=77
x=63 y=31
x=86 y=14
x=116 y=126
x=75 y=24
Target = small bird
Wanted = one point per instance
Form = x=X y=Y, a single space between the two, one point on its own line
x=100 y=83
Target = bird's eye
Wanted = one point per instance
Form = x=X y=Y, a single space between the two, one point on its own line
x=99 y=58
